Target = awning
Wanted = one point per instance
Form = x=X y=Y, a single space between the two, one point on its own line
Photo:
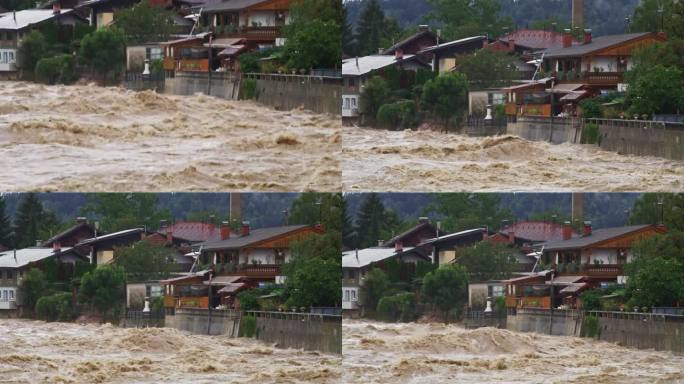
x=232 y=50
x=232 y=288
x=224 y=43
x=574 y=96
x=574 y=288
x=223 y=280
x=184 y=277
x=565 y=280
x=564 y=88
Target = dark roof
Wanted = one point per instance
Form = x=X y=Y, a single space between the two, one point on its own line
x=110 y=236
x=231 y=5
x=255 y=236
x=597 y=235
x=452 y=44
x=415 y=36
x=536 y=231
x=597 y=44
x=193 y=231
x=65 y=233
x=535 y=39
x=454 y=236
x=410 y=231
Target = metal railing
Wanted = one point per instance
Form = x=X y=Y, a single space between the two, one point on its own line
x=294 y=315
x=643 y=316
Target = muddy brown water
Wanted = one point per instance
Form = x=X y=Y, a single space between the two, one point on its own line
x=39 y=352
x=89 y=138
x=435 y=353
x=426 y=161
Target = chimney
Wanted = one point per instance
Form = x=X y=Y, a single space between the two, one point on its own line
x=380 y=243
x=225 y=230
x=380 y=50
x=56 y=247
x=423 y=28
x=587 y=228
x=38 y=242
x=398 y=246
x=56 y=8
x=662 y=35
x=423 y=220
x=398 y=54
x=567 y=230
x=567 y=38
x=169 y=236
x=511 y=45
x=81 y=220
x=577 y=13
x=244 y=230
x=511 y=237
x=587 y=36
x=162 y=224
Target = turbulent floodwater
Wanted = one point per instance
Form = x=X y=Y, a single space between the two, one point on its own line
x=89 y=138
x=38 y=352
x=379 y=160
x=435 y=353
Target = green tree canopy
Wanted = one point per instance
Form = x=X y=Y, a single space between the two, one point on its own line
x=104 y=51
x=314 y=35
x=119 y=211
x=647 y=18
x=446 y=288
x=650 y=206
x=487 y=68
x=6 y=234
x=32 y=222
x=464 y=18
x=375 y=286
x=104 y=288
x=374 y=30
x=145 y=261
x=312 y=208
x=656 y=90
x=463 y=211
x=374 y=94
x=487 y=261
x=446 y=96
x=33 y=286
x=143 y=23
x=374 y=222
x=33 y=48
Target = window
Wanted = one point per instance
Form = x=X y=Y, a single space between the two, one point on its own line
x=346 y=295
x=10 y=275
x=353 y=295
x=11 y=295
x=4 y=295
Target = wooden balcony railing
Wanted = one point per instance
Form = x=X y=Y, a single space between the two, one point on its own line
x=591 y=78
x=528 y=301
x=250 y=270
x=186 y=65
x=590 y=270
x=253 y=33
x=186 y=302
x=513 y=109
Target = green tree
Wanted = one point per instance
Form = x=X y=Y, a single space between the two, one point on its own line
x=249 y=62
x=375 y=286
x=33 y=48
x=119 y=211
x=374 y=30
x=446 y=288
x=6 y=235
x=56 y=307
x=464 y=18
x=591 y=300
x=312 y=208
x=374 y=94
x=487 y=261
x=314 y=35
x=56 y=70
x=104 y=289
x=648 y=19
x=143 y=23
x=145 y=261
x=591 y=108
x=486 y=68
x=374 y=222
x=399 y=307
x=656 y=90
x=446 y=96
x=249 y=299
x=32 y=222
x=463 y=211
x=103 y=50
x=33 y=286
x=649 y=208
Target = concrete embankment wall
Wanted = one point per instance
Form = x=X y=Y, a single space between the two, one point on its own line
x=286 y=92
x=200 y=321
x=307 y=331
x=556 y=322
x=644 y=138
x=560 y=130
x=660 y=332
x=223 y=85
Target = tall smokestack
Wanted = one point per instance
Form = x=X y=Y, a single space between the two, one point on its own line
x=577 y=206
x=235 y=206
x=577 y=13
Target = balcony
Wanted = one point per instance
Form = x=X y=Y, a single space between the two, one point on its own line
x=607 y=271
x=186 y=65
x=249 y=33
x=513 y=109
x=8 y=304
x=528 y=302
x=607 y=79
x=256 y=271
x=186 y=302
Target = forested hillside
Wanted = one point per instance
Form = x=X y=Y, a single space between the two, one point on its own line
x=603 y=16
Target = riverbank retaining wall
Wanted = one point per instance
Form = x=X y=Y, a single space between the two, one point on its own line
x=300 y=330
x=557 y=130
x=285 y=92
x=548 y=322
x=643 y=138
x=222 y=84
x=642 y=330
x=204 y=322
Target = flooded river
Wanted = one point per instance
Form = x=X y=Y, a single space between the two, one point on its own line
x=435 y=353
x=89 y=138
x=379 y=160
x=38 y=352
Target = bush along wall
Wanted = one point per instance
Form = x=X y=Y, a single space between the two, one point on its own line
x=247 y=326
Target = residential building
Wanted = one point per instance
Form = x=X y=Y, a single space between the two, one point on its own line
x=446 y=248
x=100 y=249
x=15 y=263
x=416 y=235
x=101 y=12
x=357 y=263
x=73 y=235
x=14 y=26
x=445 y=56
x=415 y=43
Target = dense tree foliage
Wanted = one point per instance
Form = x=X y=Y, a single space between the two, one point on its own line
x=32 y=222
x=104 y=289
x=374 y=30
x=487 y=261
x=374 y=222
x=143 y=23
x=375 y=93
x=464 y=18
x=32 y=287
x=462 y=211
x=654 y=208
x=486 y=68
x=446 y=96
x=659 y=15
x=119 y=211
x=6 y=234
x=446 y=288
x=104 y=51
x=375 y=286
x=314 y=35
x=145 y=261
x=33 y=48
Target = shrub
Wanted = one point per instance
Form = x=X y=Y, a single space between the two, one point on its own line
x=591 y=326
x=591 y=300
x=55 y=307
x=399 y=115
x=249 y=62
x=56 y=70
x=249 y=300
x=375 y=93
x=32 y=287
x=31 y=50
x=400 y=307
x=500 y=304
x=247 y=326
x=248 y=89
x=590 y=134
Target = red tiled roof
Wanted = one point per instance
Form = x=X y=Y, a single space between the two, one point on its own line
x=536 y=39
x=193 y=231
x=536 y=231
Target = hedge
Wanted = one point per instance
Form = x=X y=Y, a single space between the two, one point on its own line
x=399 y=115
x=56 y=307
x=247 y=326
x=400 y=307
x=248 y=89
x=56 y=70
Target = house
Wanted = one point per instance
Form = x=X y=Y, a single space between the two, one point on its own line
x=357 y=263
x=416 y=235
x=445 y=55
x=73 y=235
x=238 y=261
x=258 y=22
x=445 y=248
x=100 y=249
x=101 y=12
x=13 y=265
x=14 y=26
x=415 y=43
x=574 y=264
x=357 y=71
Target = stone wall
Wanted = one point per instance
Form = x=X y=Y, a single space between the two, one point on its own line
x=645 y=138
x=300 y=330
x=204 y=322
x=549 y=322
x=223 y=85
x=285 y=92
x=556 y=130
x=642 y=330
